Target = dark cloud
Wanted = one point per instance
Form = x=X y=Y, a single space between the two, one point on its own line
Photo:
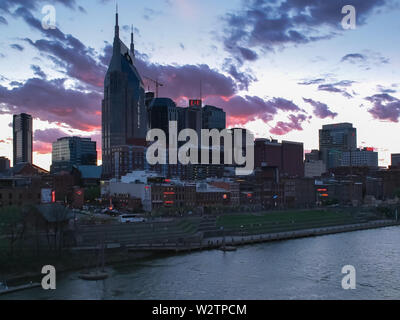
x=241 y=110
x=51 y=101
x=385 y=107
x=365 y=60
x=48 y=135
x=3 y=20
x=66 y=51
x=294 y=123
x=17 y=47
x=311 y=81
x=384 y=89
x=38 y=71
x=267 y=25
x=7 y=5
x=321 y=110
x=353 y=57
x=74 y=58
x=35 y=23
x=184 y=80
x=82 y=9
x=337 y=87
x=243 y=79
x=248 y=54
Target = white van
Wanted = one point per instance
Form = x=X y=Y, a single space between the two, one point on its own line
x=127 y=218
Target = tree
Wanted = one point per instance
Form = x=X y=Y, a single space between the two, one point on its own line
x=11 y=226
x=92 y=193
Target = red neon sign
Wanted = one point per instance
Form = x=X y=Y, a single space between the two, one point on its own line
x=195 y=103
x=322 y=190
x=53 y=196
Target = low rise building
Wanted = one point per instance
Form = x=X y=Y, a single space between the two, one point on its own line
x=314 y=168
x=20 y=191
x=365 y=157
x=208 y=195
x=90 y=175
x=395 y=159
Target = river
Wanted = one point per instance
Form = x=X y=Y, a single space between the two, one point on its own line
x=307 y=268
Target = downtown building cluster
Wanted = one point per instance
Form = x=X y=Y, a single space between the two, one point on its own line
x=283 y=176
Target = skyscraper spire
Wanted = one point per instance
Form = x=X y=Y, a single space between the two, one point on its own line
x=116 y=22
x=132 y=44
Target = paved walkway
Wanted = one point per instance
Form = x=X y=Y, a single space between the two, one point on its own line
x=216 y=242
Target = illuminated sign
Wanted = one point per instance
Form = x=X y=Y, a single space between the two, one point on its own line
x=46 y=195
x=322 y=190
x=225 y=196
x=324 y=195
x=195 y=103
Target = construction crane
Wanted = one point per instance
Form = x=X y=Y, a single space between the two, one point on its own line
x=158 y=84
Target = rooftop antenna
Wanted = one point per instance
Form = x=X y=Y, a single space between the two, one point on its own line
x=132 y=44
x=201 y=91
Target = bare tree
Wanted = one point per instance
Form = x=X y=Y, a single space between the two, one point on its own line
x=12 y=226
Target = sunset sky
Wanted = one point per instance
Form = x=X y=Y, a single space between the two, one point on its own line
x=281 y=68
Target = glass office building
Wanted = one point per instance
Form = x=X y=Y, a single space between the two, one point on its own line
x=70 y=151
x=22 y=138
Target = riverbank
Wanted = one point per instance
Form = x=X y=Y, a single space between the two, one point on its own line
x=240 y=240
x=216 y=242
x=77 y=260
x=308 y=269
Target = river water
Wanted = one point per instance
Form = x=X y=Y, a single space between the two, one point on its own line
x=308 y=268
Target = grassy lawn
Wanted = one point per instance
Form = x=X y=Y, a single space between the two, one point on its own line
x=284 y=221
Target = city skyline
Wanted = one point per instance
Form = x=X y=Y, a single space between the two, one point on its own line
x=296 y=92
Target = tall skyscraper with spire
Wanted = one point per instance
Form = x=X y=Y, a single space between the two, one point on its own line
x=124 y=115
